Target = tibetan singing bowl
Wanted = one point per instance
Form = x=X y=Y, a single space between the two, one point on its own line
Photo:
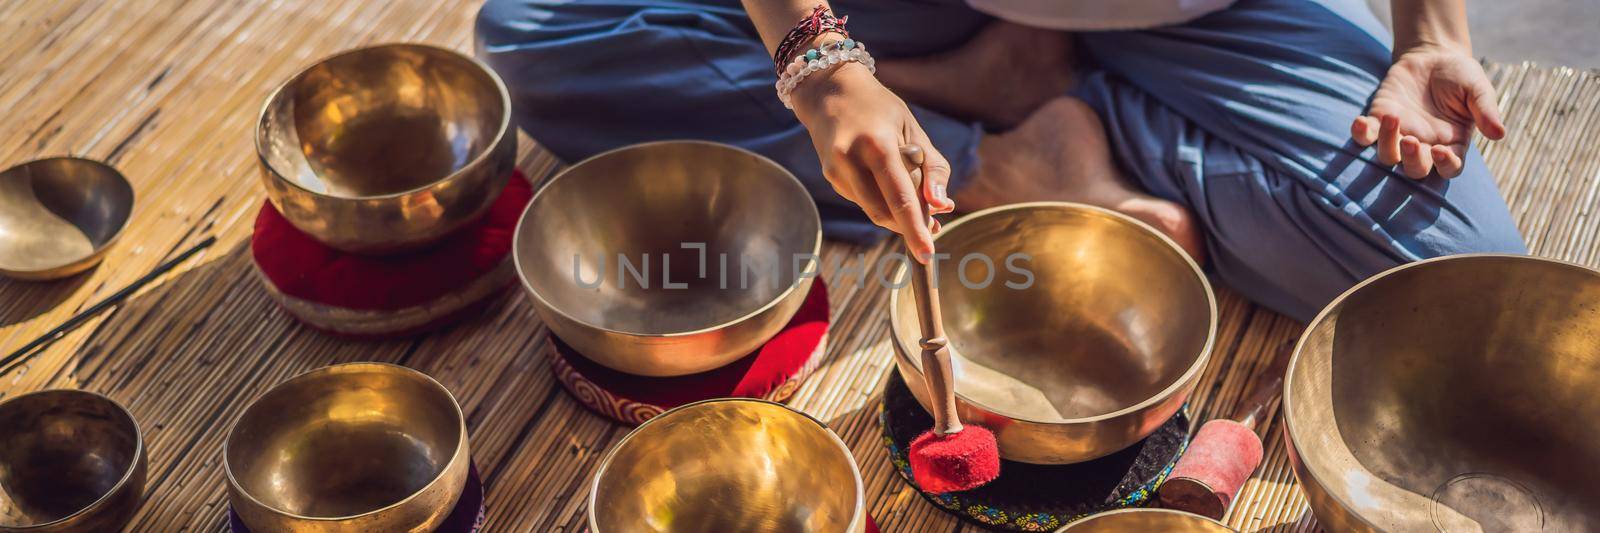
x=1455 y=394
x=1075 y=331
x=1146 y=520
x=348 y=448
x=668 y=258
x=70 y=460
x=59 y=215
x=386 y=148
x=729 y=465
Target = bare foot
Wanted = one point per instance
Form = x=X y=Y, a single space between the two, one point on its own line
x=998 y=78
x=1061 y=153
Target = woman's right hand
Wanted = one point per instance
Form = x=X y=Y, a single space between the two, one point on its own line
x=858 y=126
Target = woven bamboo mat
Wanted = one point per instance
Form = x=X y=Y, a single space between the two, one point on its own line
x=167 y=90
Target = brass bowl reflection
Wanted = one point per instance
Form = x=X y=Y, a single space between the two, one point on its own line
x=1145 y=520
x=1455 y=394
x=70 y=460
x=725 y=223
x=58 y=216
x=1101 y=349
x=729 y=465
x=386 y=148
x=347 y=448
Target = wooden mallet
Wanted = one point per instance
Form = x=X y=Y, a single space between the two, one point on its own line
x=1225 y=451
x=950 y=457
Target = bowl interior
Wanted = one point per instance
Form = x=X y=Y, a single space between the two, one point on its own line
x=734 y=465
x=60 y=452
x=1113 y=317
x=57 y=211
x=659 y=207
x=382 y=120
x=1457 y=393
x=344 y=440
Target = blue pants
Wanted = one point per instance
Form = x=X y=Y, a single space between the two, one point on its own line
x=1242 y=115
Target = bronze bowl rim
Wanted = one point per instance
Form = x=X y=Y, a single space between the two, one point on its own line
x=528 y=286
x=455 y=455
x=1151 y=510
x=92 y=258
x=1183 y=381
x=480 y=160
x=127 y=474
x=856 y=522
x=1289 y=424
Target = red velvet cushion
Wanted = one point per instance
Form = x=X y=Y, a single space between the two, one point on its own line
x=301 y=267
x=772 y=372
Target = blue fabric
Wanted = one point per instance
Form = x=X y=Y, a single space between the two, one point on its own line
x=1242 y=115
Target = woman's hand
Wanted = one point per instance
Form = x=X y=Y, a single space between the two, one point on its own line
x=858 y=126
x=1424 y=112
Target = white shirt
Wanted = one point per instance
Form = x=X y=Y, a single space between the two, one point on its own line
x=1097 y=14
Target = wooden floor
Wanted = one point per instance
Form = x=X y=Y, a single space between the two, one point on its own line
x=168 y=90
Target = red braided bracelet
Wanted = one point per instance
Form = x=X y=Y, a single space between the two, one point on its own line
x=819 y=22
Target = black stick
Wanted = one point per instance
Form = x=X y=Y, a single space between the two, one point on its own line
x=6 y=365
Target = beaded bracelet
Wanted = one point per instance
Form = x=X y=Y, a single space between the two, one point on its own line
x=819 y=59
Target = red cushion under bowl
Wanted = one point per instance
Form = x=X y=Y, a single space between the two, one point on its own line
x=773 y=372
x=385 y=295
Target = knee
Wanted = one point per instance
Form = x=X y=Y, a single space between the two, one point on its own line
x=502 y=23
x=1494 y=238
x=1295 y=248
x=1469 y=215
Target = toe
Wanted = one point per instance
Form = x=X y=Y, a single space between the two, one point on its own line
x=1171 y=219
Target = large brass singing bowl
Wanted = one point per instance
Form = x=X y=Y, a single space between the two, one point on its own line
x=386 y=148
x=729 y=465
x=59 y=215
x=1455 y=394
x=711 y=235
x=70 y=460
x=1101 y=349
x=1146 y=521
x=348 y=448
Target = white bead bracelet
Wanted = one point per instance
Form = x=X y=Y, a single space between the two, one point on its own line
x=819 y=59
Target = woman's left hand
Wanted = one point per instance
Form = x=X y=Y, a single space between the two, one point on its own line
x=1424 y=112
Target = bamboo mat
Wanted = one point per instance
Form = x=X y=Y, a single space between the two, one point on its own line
x=168 y=91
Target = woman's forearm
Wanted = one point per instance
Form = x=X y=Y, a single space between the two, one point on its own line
x=1429 y=23
x=774 y=18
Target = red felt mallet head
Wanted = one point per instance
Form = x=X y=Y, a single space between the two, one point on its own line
x=963 y=460
x=1221 y=458
x=949 y=457
x=1224 y=452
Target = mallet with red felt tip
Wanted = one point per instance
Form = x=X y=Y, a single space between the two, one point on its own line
x=1225 y=451
x=950 y=457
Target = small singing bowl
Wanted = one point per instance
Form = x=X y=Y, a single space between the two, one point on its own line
x=1075 y=331
x=58 y=216
x=70 y=460
x=1145 y=520
x=1454 y=394
x=669 y=258
x=386 y=148
x=729 y=465
x=348 y=448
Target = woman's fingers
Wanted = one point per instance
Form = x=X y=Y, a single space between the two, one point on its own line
x=1417 y=157
x=882 y=158
x=1364 y=130
x=859 y=188
x=1447 y=159
x=936 y=170
x=1389 y=140
x=1485 y=111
